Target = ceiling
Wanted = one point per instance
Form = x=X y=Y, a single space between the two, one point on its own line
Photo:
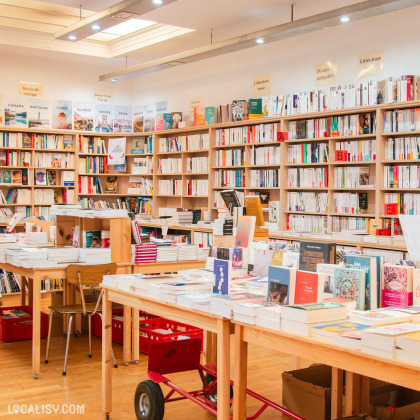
x=178 y=26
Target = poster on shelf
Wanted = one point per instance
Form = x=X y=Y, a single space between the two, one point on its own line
x=116 y=151
x=62 y=115
x=123 y=119
x=39 y=113
x=370 y=63
x=326 y=73
x=138 y=118
x=104 y=118
x=16 y=111
x=150 y=118
x=83 y=115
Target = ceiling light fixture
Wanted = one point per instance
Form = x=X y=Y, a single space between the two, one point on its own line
x=344 y=19
x=96 y=27
x=157 y=2
x=72 y=37
x=114 y=80
x=259 y=40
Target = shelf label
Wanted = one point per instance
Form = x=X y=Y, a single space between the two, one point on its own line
x=261 y=85
x=103 y=96
x=325 y=73
x=33 y=90
x=194 y=103
x=370 y=63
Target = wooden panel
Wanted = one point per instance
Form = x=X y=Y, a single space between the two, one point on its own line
x=120 y=238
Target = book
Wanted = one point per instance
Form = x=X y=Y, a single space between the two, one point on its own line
x=137 y=145
x=67 y=178
x=328 y=271
x=237 y=110
x=349 y=283
x=334 y=328
x=167 y=121
x=224 y=253
x=378 y=317
x=245 y=231
x=210 y=115
x=281 y=285
x=314 y=312
x=105 y=238
x=176 y=118
x=416 y=287
x=255 y=109
x=222 y=276
x=277 y=258
x=51 y=178
x=199 y=116
x=111 y=184
x=40 y=176
x=91 y=238
x=240 y=257
x=409 y=342
x=313 y=253
x=290 y=259
x=397 y=287
x=309 y=287
x=262 y=261
x=17 y=177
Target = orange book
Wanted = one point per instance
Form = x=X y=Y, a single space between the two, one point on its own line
x=199 y=116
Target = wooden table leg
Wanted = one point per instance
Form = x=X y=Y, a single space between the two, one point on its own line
x=23 y=291
x=223 y=369
x=36 y=323
x=349 y=394
x=30 y=290
x=365 y=390
x=336 y=393
x=107 y=362
x=135 y=336
x=210 y=348
x=240 y=375
x=127 y=335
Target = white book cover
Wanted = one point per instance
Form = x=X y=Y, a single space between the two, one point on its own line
x=39 y=113
x=123 y=119
x=83 y=116
x=104 y=118
x=16 y=111
x=62 y=115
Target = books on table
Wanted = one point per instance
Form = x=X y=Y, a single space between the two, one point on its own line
x=349 y=283
x=309 y=287
x=313 y=253
x=314 y=312
x=334 y=328
x=222 y=276
x=397 y=286
x=269 y=315
x=223 y=304
x=378 y=317
x=281 y=285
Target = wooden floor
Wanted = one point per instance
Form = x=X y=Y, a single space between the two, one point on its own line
x=82 y=385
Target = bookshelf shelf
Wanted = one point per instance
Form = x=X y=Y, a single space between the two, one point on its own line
x=194 y=196
x=262 y=188
x=229 y=167
x=307 y=212
x=169 y=153
x=195 y=173
x=15 y=167
x=401 y=189
x=402 y=133
x=196 y=151
x=292 y=165
x=92 y=154
x=319 y=140
x=389 y=216
x=264 y=143
x=16 y=186
x=352 y=214
x=401 y=162
x=306 y=188
x=274 y=165
x=172 y=174
x=137 y=154
x=53 y=186
x=367 y=162
x=353 y=189
x=228 y=188
x=229 y=146
x=55 y=150
x=51 y=168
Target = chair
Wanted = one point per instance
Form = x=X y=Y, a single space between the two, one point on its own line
x=82 y=275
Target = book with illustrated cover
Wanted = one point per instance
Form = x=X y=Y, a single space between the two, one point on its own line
x=210 y=115
x=176 y=118
x=281 y=285
x=313 y=253
x=51 y=178
x=40 y=177
x=39 y=113
x=25 y=177
x=222 y=276
x=104 y=118
x=83 y=116
x=277 y=258
x=137 y=145
x=237 y=257
x=62 y=115
x=237 y=110
x=199 y=116
x=224 y=253
x=328 y=271
x=167 y=121
x=91 y=239
x=255 y=109
x=6 y=176
x=328 y=330
x=123 y=119
x=138 y=118
x=397 y=287
x=3 y=158
x=111 y=184
x=17 y=177
x=349 y=283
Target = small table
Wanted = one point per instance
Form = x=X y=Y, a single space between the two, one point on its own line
x=206 y=321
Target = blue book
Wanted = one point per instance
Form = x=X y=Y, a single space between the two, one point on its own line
x=222 y=276
x=281 y=285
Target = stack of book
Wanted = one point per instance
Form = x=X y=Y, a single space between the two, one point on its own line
x=408 y=347
x=189 y=300
x=7 y=238
x=63 y=255
x=269 y=315
x=187 y=252
x=32 y=238
x=167 y=253
x=246 y=312
x=27 y=257
x=223 y=304
x=169 y=291
x=95 y=255
x=144 y=253
x=182 y=217
x=299 y=319
x=202 y=253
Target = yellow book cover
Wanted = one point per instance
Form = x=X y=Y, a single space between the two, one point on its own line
x=277 y=258
x=373 y=225
x=199 y=116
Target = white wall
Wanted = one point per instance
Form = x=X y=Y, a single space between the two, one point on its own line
x=222 y=79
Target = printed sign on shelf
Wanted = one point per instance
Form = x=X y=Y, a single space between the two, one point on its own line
x=370 y=63
x=261 y=85
x=33 y=90
x=325 y=73
x=116 y=151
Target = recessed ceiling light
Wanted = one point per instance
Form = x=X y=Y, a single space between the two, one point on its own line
x=72 y=37
x=157 y=2
x=114 y=80
x=345 y=19
x=259 y=40
x=128 y=27
x=95 y=27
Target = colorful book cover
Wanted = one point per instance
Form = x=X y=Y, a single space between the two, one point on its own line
x=150 y=118
x=255 y=109
x=39 y=113
x=159 y=122
x=349 y=283
x=245 y=231
x=105 y=238
x=104 y=118
x=51 y=178
x=167 y=121
x=62 y=115
x=17 y=177
x=277 y=258
x=223 y=253
x=137 y=145
x=176 y=118
x=341 y=327
x=111 y=184
x=397 y=289
x=83 y=116
x=281 y=285
x=313 y=253
x=222 y=276
x=6 y=176
x=138 y=118
x=123 y=119
x=237 y=257
x=91 y=239
x=199 y=116
x=309 y=287
x=16 y=111
x=210 y=115
x=40 y=177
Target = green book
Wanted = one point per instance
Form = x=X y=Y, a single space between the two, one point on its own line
x=91 y=239
x=210 y=115
x=305 y=151
x=255 y=109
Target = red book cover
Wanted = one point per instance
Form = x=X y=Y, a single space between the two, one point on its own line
x=341 y=156
x=309 y=289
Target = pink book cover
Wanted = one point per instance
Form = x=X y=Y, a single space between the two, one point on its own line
x=306 y=290
x=397 y=287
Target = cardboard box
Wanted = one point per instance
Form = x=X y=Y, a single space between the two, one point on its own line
x=307 y=392
x=396 y=403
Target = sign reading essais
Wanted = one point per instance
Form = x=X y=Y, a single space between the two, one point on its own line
x=325 y=73
x=103 y=96
x=194 y=103
x=33 y=90
x=116 y=151
x=261 y=85
x=370 y=63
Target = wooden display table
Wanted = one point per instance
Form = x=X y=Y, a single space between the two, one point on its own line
x=206 y=321
x=310 y=348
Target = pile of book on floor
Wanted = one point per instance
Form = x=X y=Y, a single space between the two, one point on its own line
x=32 y=238
x=95 y=255
x=64 y=254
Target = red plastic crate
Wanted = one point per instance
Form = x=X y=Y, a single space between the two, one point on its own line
x=16 y=329
x=117 y=325
x=148 y=336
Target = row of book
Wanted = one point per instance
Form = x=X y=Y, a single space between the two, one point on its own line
x=151 y=252
x=93 y=165
x=136 y=205
x=184 y=143
x=16 y=176
x=90 y=144
x=307 y=201
x=139 y=185
x=265 y=155
x=355 y=151
x=141 y=145
x=307 y=153
x=264 y=178
x=347 y=125
x=307 y=177
x=170 y=166
x=51 y=196
x=197 y=164
x=219 y=202
x=339 y=224
x=49 y=177
x=402 y=176
x=198 y=187
x=260 y=133
x=230 y=157
x=402 y=148
x=229 y=178
x=15 y=158
x=352 y=177
x=36 y=141
x=142 y=166
x=170 y=186
x=54 y=160
x=350 y=203
x=16 y=196
x=402 y=120
x=9 y=282
x=406 y=203
x=307 y=223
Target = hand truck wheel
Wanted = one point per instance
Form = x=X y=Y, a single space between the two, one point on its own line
x=212 y=396
x=149 y=403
